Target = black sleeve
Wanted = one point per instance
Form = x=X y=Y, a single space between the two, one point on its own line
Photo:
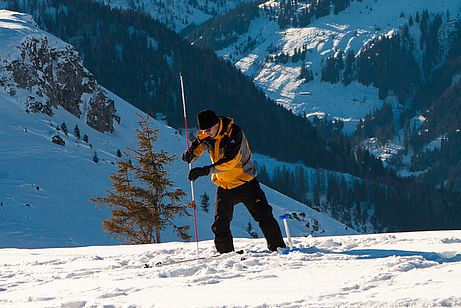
x=231 y=145
x=195 y=143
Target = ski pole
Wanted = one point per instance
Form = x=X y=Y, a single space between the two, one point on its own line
x=190 y=164
x=287 y=230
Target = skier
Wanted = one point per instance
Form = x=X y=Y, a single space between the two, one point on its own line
x=235 y=175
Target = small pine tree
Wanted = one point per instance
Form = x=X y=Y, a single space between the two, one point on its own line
x=85 y=138
x=77 y=131
x=64 y=128
x=250 y=230
x=316 y=225
x=142 y=201
x=95 y=157
x=205 y=203
x=317 y=189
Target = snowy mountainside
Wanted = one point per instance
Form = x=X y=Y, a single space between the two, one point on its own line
x=419 y=269
x=45 y=186
x=177 y=14
x=278 y=56
x=44 y=72
x=314 y=187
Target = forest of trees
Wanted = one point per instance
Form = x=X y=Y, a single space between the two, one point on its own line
x=297 y=13
x=433 y=93
x=121 y=45
x=221 y=31
x=139 y=59
x=377 y=125
x=388 y=62
x=224 y=30
x=368 y=206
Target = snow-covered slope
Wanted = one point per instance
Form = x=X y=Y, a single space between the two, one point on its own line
x=177 y=14
x=351 y=29
x=386 y=270
x=45 y=187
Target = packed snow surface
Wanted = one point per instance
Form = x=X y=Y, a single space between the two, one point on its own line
x=402 y=269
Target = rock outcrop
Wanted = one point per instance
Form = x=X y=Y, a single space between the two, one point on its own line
x=55 y=77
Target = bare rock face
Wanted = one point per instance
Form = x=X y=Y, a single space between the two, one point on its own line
x=58 y=140
x=101 y=113
x=57 y=78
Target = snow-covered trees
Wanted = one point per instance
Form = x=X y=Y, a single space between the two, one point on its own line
x=142 y=199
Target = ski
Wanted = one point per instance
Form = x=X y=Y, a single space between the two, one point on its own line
x=216 y=256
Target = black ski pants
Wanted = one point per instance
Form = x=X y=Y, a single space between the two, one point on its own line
x=253 y=197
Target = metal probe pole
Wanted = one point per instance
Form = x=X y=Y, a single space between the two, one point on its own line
x=190 y=164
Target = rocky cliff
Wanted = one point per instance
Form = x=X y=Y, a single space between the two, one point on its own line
x=45 y=76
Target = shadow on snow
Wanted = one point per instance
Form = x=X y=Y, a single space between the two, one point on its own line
x=385 y=253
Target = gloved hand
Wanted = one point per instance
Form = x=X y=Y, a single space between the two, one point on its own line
x=188 y=156
x=195 y=173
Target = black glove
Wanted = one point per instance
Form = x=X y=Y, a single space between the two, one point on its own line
x=188 y=156
x=195 y=173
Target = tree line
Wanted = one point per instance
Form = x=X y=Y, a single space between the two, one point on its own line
x=125 y=45
x=369 y=206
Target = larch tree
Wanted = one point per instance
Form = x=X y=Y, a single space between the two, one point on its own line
x=143 y=200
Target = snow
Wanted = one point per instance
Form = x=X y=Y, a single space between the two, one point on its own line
x=434 y=144
x=57 y=182
x=382 y=151
x=418 y=269
x=44 y=202
x=45 y=188
x=14 y=27
x=456 y=79
x=349 y=30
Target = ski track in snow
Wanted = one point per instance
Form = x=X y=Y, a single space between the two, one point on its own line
x=418 y=269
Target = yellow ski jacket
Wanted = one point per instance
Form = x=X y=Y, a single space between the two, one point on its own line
x=230 y=155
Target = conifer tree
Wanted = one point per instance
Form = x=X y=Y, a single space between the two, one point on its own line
x=143 y=200
x=317 y=188
x=77 y=131
x=64 y=128
x=95 y=157
x=205 y=203
x=250 y=230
